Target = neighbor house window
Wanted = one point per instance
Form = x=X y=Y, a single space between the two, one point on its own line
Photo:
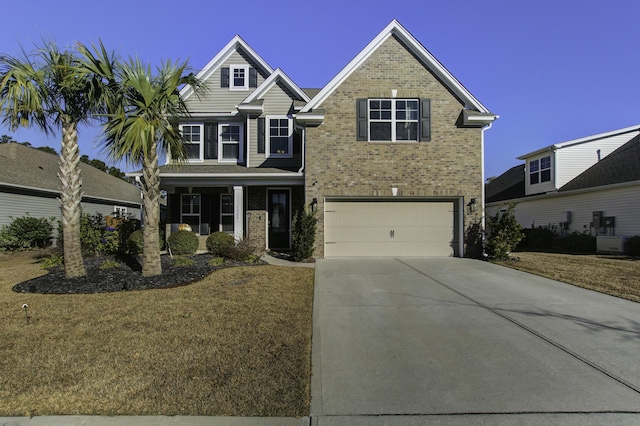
x=393 y=119
x=540 y=170
x=280 y=137
x=239 y=77
x=192 y=134
x=190 y=211
x=226 y=213
x=119 y=211
x=230 y=148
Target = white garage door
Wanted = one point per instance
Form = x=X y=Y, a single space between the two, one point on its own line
x=389 y=228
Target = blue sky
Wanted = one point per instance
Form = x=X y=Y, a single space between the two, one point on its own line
x=554 y=70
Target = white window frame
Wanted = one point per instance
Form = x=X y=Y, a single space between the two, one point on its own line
x=191 y=214
x=289 y=153
x=232 y=80
x=539 y=169
x=119 y=210
x=221 y=143
x=393 y=120
x=223 y=214
x=181 y=127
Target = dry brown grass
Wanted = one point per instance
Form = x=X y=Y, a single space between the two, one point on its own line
x=237 y=343
x=615 y=275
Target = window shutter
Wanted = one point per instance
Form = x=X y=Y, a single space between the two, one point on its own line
x=173 y=202
x=362 y=126
x=261 y=135
x=425 y=120
x=210 y=141
x=253 y=77
x=224 y=77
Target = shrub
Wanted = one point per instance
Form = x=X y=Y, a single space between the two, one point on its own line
x=109 y=264
x=537 y=238
x=52 y=261
x=125 y=229
x=241 y=250
x=577 y=242
x=135 y=243
x=504 y=233
x=633 y=245
x=216 y=261
x=181 y=261
x=183 y=242
x=219 y=242
x=26 y=232
x=303 y=234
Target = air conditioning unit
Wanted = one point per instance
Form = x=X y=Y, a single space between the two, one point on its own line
x=610 y=244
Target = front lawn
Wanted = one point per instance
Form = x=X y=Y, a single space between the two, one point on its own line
x=615 y=275
x=237 y=343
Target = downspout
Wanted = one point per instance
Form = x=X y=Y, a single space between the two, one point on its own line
x=304 y=144
x=248 y=139
x=484 y=129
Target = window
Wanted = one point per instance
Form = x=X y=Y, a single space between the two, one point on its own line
x=119 y=211
x=540 y=170
x=239 y=77
x=230 y=149
x=192 y=134
x=226 y=213
x=280 y=140
x=190 y=211
x=393 y=120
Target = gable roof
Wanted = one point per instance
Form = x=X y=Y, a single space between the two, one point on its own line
x=28 y=168
x=420 y=52
x=578 y=141
x=236 y=43
x=507 y=186
x=277 y=76
x=622 y=165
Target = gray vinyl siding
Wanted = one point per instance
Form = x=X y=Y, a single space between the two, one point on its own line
x=222 y=99
x=278 y=101
x=623 y=203
x=17 y=205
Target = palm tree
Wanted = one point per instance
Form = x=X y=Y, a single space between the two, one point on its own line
x=143 y=110
x=46 y=89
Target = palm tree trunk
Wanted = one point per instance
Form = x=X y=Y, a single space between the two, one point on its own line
x=70 y=198
x=151 y=197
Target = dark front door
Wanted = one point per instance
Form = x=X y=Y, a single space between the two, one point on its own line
x=279 y=219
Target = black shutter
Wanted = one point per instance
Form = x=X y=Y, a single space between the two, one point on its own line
x=362 y=125
x=205 y=214
x=224 y=77
x=425 y=120
x=210 y=141
x=261 y=135
x=297 y=142
x=253 y=77
x=173 y=201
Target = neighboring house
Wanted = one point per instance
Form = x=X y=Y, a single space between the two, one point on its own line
x=389 y=153
x=588 y=185
x=29 y=184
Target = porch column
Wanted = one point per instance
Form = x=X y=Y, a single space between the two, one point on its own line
x=238 y=212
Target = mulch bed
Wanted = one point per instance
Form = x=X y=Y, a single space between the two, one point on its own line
x=127 y=276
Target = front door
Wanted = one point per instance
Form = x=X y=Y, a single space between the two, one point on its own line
x=279 y=217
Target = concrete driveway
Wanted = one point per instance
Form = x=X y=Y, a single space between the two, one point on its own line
x=458 y=341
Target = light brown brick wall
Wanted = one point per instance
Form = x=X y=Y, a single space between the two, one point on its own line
x=338 y=165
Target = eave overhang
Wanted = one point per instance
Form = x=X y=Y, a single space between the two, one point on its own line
x=472 y=118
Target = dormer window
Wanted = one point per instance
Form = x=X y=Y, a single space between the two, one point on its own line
x=540 y=170
x=238 y=77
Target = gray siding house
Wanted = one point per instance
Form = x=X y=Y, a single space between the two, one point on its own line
x=29 y=184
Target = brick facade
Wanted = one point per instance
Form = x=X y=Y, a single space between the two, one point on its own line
x=450 y=165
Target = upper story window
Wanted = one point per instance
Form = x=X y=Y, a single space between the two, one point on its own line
x=239 y=77
x=230 y=143
x=540 y=170
x=280 y=137
x=393 y=120
x=192 y=135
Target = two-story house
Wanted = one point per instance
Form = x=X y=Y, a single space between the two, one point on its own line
x=389 y=153
x=575 y=185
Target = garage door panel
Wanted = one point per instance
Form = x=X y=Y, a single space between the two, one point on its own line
x=389 y=228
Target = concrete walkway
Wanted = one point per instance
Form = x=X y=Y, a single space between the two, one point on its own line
x=458 y=341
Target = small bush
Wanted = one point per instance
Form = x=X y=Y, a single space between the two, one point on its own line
x=183 y=242
x=216 y=261
x=241 y=250
x=504 y=233
x=135 y=242
x=303 y=234
x=577 y=242
x=537 y=238
x=219 y=242
x=181 y=261
x=53 y=261
x=26 y=232
x=125 y=229
x=109 y=264
x=253 y=258
x=633 y=245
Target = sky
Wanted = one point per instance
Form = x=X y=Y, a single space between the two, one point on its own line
x=553 y=70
